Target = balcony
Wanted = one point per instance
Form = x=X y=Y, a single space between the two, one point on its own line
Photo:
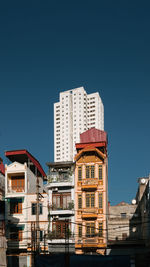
x=88 y=242
x=15 y=189
x=89 y=213
x=90 y=183
x=60 y=236
x=63 y=210
x=60 y=180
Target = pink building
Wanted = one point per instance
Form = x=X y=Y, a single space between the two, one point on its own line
x=91 y=183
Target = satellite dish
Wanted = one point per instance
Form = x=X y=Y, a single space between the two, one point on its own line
x=133 y=201
x=143 y=181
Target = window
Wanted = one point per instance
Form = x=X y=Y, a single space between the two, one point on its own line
x=123 y=215
x=87 y=171
x=90 y=171
x=100 y=172
x=16 y=206
x=90 y=229
x=100 y=229
x=61 y=229
x=41 y=235
x=16 y=233
x=79 y=173
x=17 y=183
x=100 y=200
x=80 y=230
x=79 y=201
x=90 y=200
x=61 y=201
x=34 y=208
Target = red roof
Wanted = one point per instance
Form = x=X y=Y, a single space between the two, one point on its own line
x=93 y=135
x=2 y=168
x=22 y=156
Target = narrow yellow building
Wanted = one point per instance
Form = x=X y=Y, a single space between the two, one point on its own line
x=91 y=186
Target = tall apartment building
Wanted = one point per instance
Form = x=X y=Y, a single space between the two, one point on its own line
x=75 y=113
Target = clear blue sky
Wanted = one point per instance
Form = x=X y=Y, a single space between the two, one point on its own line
x=50 y=46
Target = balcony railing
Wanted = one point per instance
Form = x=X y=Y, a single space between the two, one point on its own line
x=15 y=189
x=95 y=241
x=70 y=206
x=89 y=212
x=56 y=235
x=90 y=181
x=59 y=178
x=90 y=240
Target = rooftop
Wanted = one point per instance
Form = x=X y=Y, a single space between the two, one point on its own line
x=23 y=156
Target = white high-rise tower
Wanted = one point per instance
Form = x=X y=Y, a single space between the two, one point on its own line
x=75 y=113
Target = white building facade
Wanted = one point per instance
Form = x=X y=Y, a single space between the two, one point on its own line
x=61 y=207
x=21 y=208
x=75 y=113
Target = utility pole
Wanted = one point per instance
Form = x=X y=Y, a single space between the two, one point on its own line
x=32 y=243
x=67 y=263
x=37 y=217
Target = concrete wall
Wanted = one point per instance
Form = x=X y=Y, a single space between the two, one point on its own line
x=119 y=220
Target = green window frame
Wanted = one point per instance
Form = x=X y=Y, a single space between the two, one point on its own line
x=80 y=201
x=80 y=173
x=100 y=229
x=90 y=200
x=100 y=200
x=90 y=171
x=87 y=172
x=90 y=229
x=80 y=230
x=100 y=172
